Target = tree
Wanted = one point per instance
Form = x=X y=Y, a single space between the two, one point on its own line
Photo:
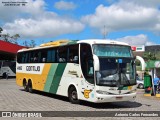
x=25 y=43
x=138 y=63
x=32 y=44
x=1 y=31
x=8 y=38
x=149 y=56
x=14 y=38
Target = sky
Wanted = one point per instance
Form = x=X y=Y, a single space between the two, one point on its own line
x=136 y=22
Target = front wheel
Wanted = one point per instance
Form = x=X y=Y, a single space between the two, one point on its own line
x=73 y=96
x=141 y=86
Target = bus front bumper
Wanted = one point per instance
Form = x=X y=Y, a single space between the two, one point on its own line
x=101 y=98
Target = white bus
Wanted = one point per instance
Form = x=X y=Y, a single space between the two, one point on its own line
x=7 y=68
x=91 y=70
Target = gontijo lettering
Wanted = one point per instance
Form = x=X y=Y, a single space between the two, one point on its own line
x=32 y=68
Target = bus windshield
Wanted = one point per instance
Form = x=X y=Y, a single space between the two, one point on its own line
x=116 y=65
x=116 y=71
x=112 y=50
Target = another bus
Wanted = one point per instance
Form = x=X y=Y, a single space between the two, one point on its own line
x=91 y=70
x=7 y=69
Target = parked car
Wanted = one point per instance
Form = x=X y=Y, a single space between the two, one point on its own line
x=140 y=82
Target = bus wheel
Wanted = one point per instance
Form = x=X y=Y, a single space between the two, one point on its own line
x=25 y=85
x=4 y=75
x=30 y=87
x=140 y=86
x=73 y=96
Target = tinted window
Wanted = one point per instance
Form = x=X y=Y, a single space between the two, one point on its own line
x=73 y=53
x=87 y=62
x=50 y=55
x=112 y=50
x=62 y=54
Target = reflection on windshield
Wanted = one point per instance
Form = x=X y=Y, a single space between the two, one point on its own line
x=112 y=50
x=114 y=71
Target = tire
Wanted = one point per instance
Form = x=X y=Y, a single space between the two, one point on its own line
x=4 y=75
x=140 y=86
x=30 y=87
x=25 y=86
x=73 y=96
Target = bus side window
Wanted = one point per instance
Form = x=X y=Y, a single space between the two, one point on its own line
x=62 y=54
x=23 y=57
x=43 y=56
x=87 y=63
x=19 y=57
x=51 y=55
x=39 y=56
x=73 y=54
x=26 y=57
x=43 y=60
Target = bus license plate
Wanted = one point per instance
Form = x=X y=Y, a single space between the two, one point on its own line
x=119 y=98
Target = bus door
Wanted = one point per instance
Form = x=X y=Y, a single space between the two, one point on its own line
x=86 y=61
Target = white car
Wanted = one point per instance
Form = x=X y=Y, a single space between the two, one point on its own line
x=140 y=83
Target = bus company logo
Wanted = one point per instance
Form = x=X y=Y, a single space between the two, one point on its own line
x=129 y=87
x=73 y=73
x=86 y=93
x=21 y=114
x=6 y=114
x=33 y=68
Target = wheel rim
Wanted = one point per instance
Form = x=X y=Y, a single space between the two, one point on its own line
x=25 y=86
x=141 y=86
x=74 y=95
x=30 y=88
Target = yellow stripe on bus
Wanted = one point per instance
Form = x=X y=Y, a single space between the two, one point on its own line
x=38 y=81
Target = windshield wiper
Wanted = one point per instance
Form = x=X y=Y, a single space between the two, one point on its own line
x=125 y=78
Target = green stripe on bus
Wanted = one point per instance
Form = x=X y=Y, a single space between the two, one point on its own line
x=57 y=77
x=50 y=77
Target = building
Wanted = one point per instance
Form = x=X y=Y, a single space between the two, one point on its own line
x=138 y=50
x=8 y=50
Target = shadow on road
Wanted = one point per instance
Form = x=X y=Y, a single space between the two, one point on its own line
x=109 y=105
x=112 y=105
x=49 y=95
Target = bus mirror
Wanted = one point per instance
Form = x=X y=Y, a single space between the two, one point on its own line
x=96 y=63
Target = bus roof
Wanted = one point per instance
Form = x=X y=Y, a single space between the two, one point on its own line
x=69 y=42
x=101 y=41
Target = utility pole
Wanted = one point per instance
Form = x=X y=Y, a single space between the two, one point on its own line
x=104 y=32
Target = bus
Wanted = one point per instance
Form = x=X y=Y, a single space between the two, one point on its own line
x=7 y=69
x=91 y=70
